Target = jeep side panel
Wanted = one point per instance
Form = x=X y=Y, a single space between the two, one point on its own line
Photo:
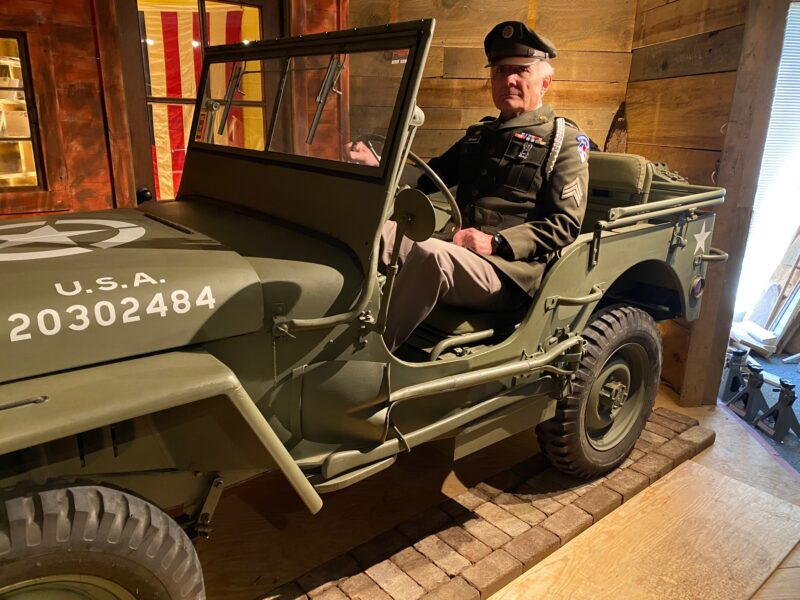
x=168 y=413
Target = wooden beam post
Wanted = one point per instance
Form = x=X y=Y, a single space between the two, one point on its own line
x=738 y=173
x=118 y=135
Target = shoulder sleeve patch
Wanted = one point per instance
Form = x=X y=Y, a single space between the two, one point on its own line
x=583 y=147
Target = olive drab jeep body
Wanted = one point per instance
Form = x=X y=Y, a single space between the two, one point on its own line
x=154 y=357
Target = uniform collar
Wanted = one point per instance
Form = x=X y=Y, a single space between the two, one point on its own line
x=541 y=115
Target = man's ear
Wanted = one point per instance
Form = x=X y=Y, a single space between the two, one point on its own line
x=546 y=84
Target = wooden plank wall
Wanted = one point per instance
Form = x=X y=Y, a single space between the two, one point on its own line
x=594 y=41
x=67 y=85
x=680 y=91
x=683 y=73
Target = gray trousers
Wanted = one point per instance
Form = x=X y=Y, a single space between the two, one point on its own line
x=433 y=271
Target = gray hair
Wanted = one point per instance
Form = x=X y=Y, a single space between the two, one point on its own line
x=543 y=68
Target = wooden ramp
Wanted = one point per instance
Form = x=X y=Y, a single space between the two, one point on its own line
x=694 y=534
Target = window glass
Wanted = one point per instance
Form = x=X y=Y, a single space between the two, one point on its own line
x=234 y=112
x=327 y=101
x=172 y=52
x=18 y=151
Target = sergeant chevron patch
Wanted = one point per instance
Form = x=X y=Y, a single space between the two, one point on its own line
x=573 y=191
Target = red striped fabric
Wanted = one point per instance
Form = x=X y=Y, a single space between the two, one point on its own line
x=172 y=64
x=177 y=119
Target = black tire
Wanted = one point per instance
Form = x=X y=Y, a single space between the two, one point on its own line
x=105 y=536
x=599 y=420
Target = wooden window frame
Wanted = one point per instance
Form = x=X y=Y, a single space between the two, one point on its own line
x=33 y=121
x=51 y=195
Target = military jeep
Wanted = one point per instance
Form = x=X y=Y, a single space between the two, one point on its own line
x=154 y=357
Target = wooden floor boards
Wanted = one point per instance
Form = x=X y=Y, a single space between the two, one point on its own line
x=694 y=534
x=784 y=583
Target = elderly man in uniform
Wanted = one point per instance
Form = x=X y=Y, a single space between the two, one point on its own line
x=522 y=185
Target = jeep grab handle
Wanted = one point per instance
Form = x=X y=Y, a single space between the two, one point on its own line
x=714 y=255
x=593 y=296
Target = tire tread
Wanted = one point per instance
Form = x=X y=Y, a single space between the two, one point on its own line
x=100 y=519
x=559 y=437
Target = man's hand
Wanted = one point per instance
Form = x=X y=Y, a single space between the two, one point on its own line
x=358 y=152
x=475 y=240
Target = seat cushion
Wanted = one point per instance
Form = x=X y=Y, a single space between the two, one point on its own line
x=450 y=320
x=626 y=173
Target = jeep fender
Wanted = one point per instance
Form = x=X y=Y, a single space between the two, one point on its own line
x=44 y=409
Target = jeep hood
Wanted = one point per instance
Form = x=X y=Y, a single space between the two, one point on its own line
x=85 y=288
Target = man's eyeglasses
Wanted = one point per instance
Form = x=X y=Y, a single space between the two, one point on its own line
x=503 y=71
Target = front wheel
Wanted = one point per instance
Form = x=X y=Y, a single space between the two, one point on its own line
x=599 y=420
x=91 y=542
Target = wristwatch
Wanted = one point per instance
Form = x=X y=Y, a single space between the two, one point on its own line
x=499 y=244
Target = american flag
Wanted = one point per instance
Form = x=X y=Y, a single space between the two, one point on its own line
x=173 y=60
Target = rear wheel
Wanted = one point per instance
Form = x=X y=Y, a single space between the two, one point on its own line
x=94 y=543
x=599 y=420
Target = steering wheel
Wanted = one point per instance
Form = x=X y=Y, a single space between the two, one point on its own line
x=370 y=139
x=455 y=212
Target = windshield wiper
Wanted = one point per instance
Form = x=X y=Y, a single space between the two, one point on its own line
x=335 y=67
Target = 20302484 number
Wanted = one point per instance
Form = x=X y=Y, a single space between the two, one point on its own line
x=105 y=313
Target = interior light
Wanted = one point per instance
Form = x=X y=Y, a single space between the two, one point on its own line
x=246 y=42
x=150 y=42
x=195 y=43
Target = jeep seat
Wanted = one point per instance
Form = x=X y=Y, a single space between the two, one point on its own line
x=451 y=320
x=615 y=180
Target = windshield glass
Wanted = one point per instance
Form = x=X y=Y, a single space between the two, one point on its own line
x=309 y=106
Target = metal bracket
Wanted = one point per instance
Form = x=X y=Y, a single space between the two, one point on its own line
x=280 y=329
x=203 y=526
x=594 y=250
x=678 y=239
x=367 y=323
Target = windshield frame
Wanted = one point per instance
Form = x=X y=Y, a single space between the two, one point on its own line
x=390 y=37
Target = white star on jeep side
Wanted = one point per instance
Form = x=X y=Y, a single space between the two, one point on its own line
x=43 y=235
x=700 y=239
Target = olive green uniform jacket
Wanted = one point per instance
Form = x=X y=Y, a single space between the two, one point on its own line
x=500 y=168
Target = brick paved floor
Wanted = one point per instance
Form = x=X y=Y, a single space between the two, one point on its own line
x=473 y=545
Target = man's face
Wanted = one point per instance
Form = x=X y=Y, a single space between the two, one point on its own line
x=517 y=89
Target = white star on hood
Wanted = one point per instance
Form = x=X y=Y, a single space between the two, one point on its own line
x=43 y=235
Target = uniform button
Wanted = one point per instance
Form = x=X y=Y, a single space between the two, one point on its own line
x=483 y=171
x=492 y=149
x=474 y=193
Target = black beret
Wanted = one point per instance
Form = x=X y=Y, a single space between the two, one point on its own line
x=513 y=42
